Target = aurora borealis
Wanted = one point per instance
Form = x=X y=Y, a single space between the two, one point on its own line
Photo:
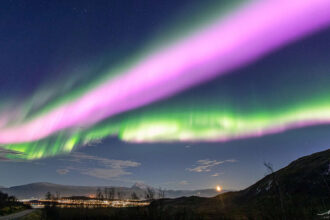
x=149 y=98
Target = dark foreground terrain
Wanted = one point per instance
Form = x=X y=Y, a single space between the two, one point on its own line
x=298 y=191
x=10 y=205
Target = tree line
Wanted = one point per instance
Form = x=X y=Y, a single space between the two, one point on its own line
x=112 y=193
x=9 y=204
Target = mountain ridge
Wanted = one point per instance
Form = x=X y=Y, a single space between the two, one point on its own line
x=38 y=190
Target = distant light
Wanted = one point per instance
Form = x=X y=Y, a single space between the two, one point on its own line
x=218 y=188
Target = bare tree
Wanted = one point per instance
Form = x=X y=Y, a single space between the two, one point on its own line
x=161 y=193
x=149 y=193
x=99 y=194
x=119 y=195
x=58 y=195
x=134 y=196
x=274 y=177
x=106 y=193
x=111 y=193
x=48 y=196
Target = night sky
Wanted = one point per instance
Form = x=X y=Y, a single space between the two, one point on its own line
x=176 y=94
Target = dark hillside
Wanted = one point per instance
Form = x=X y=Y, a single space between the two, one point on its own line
x=298 y=191
x=9 y=204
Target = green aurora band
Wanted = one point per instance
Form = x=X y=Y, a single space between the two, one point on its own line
x=181 y=118
x=187 y=127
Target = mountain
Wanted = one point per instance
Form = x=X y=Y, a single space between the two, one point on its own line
x=298 y=191
x=39 y=190
x=185 y=193
x=140 y=185
x=178 y=193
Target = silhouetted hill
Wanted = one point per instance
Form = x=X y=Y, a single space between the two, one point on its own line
x=38 y=190
x=298 y=191
x=9 y=204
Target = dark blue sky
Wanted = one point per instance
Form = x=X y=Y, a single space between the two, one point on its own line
x=42 y=40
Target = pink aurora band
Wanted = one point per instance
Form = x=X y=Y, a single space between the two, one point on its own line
x=242 y=37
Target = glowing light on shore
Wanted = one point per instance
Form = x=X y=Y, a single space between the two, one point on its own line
x=218 y=188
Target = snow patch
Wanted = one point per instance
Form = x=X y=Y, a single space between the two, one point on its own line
x=269 y=185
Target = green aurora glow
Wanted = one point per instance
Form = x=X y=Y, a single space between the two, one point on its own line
x=225 y=114
x=232 y=108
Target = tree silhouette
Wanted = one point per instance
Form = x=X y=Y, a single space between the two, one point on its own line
x=161 y=193
x=48 y=196
x=274 y=177
x=99 y=194
x=111 y=193
x=134 y=196
x=149 y=193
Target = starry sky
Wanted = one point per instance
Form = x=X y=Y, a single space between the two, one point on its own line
x=176 y=94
